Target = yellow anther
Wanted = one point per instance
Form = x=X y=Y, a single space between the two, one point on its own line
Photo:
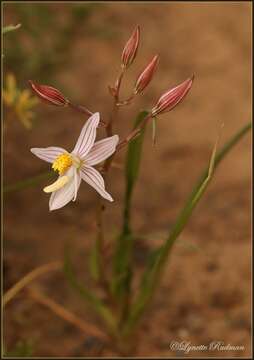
x=62 y=163
x=58 y=184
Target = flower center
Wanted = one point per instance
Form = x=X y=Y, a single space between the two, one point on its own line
x=76 y=161
x=62 y=163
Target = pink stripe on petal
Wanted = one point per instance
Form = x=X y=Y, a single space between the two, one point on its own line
x=87 y=136
x=48 y=154
x=101 y=150
x=77 y=181
x=94 y=178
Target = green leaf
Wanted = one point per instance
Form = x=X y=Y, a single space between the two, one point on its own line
x=20 y=185
x=121 y=272
x=152 y=275
x=133 y=158
x=88 y=296
x=10 y=28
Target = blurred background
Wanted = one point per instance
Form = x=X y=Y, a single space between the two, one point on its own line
x=76 y=47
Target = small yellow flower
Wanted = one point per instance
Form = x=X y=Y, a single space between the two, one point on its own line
x=21 y=101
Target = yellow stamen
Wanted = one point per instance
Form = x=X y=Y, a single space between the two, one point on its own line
x=58 y=184
x=62 y=163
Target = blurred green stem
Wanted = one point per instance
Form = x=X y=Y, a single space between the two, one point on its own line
x=100 y=207
x=32 y=275
x=20 y=185
x=109 y=128
x=122 y=269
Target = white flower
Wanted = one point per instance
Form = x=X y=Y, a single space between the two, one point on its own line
x=78 y=164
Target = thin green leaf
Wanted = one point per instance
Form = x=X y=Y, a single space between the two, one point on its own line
x=20 y=185
x=88 y=296
x=133 y=159
x=121 y=271
x=152 y=275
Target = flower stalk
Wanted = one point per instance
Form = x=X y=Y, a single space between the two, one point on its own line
x=118 y=306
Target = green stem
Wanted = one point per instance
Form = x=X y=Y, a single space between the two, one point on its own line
x=221 y=154
x=20 y=185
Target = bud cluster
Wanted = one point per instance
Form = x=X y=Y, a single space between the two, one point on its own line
x=169 y=99
x=166 y=102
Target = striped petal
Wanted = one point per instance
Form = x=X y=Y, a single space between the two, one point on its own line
x=87 y=136
x=101 y=150
x=48 y=154
x=77 y=181
x=94 y=178
x=68 y=192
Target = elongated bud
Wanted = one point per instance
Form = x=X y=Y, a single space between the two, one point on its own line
x=49 y=94
x=130 y=49
x=112 y=90
x=146 y=76
x=172 y=97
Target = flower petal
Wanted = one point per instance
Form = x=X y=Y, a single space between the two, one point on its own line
x=101 y=150
x=87 y=136
x=48 y=154
x=94 y=178
x=68 y=192
x=77 y=181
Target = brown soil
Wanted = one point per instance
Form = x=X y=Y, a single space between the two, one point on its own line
x=205 y=294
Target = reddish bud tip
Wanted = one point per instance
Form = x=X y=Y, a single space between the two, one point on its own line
x=130 y=49
x=172 y=97
x=146 y=76
x=112 y=90
x=49 y=94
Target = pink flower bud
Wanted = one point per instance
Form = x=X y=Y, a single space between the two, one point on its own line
x=172 y=97
x=146 y=76
x=131 y=47
x=112 y=90
x=49 y=94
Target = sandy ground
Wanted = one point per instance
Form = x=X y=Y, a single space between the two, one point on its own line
x=205 y=294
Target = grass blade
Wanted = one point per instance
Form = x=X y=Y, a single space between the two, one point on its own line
x=23 y=184
x=88 y=296
x=153 y=273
